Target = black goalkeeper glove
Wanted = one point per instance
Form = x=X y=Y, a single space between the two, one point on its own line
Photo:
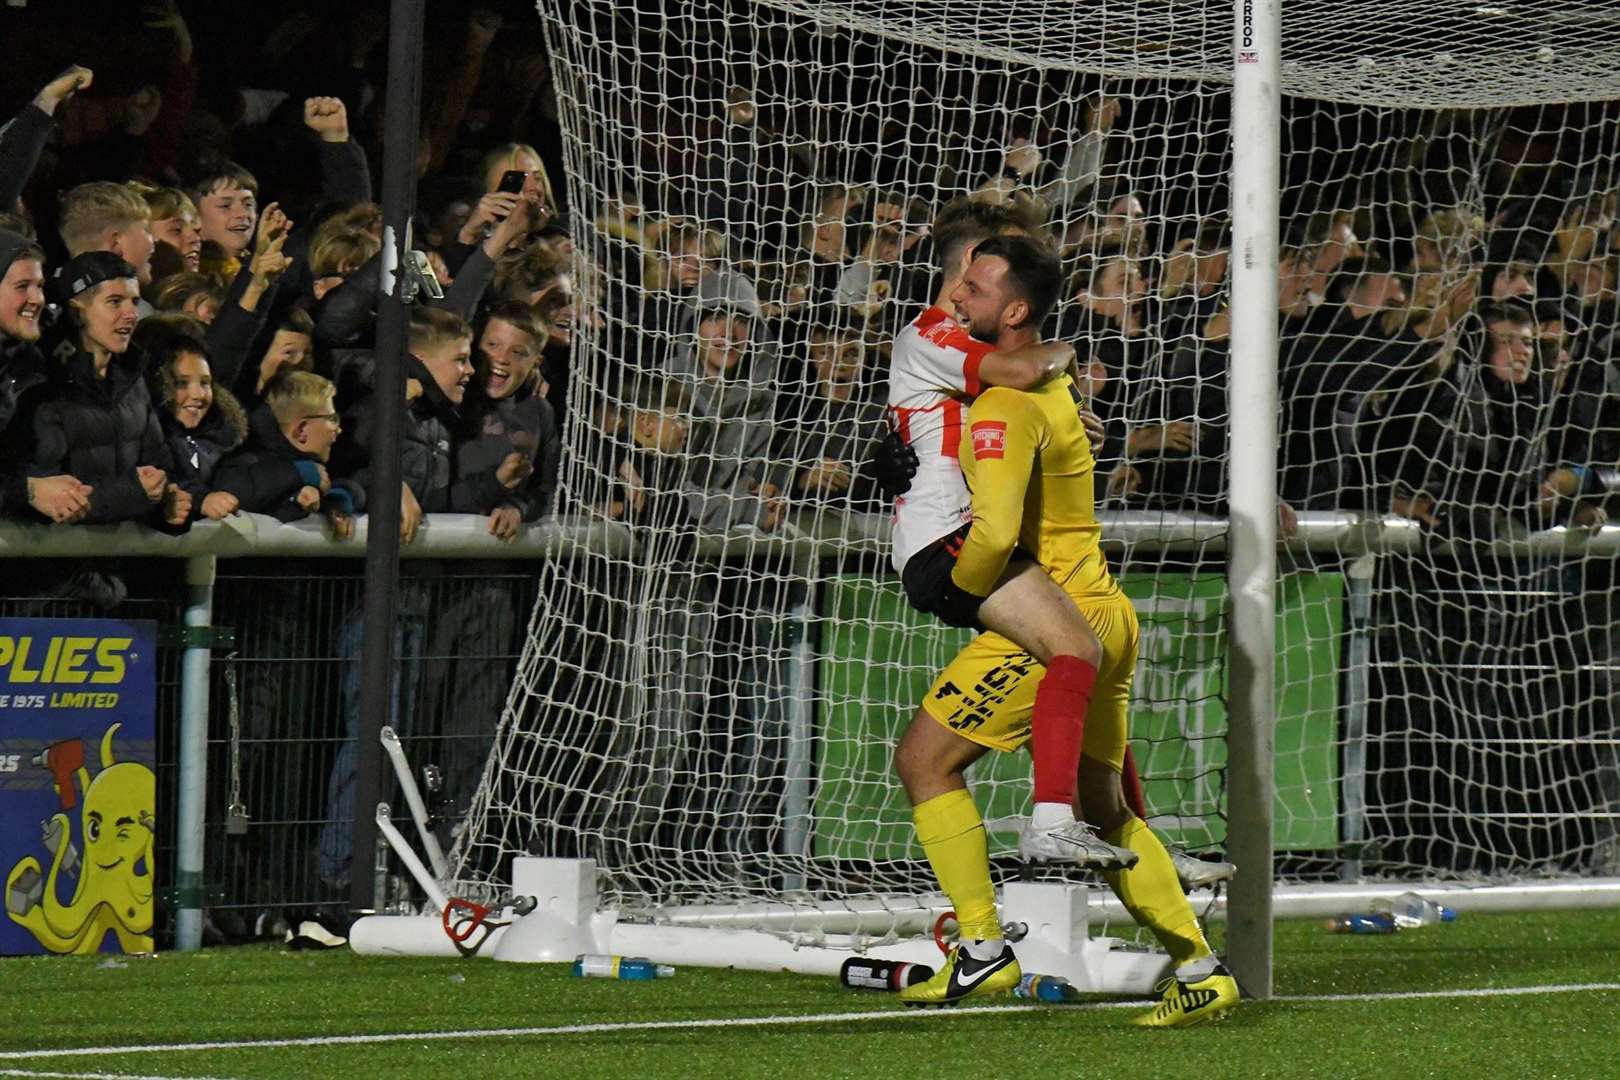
x=894 y=463
x=958 y=607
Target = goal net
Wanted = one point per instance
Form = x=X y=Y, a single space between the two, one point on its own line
x=722 y=658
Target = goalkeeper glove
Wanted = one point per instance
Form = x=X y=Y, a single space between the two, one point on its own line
x=894 y=463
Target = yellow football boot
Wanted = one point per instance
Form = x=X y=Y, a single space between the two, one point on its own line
x=1188 y=1003
x=964 y=977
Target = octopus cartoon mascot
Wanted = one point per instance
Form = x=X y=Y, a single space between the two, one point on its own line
x=114 y=892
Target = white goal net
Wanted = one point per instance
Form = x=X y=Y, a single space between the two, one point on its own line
x=721 y=659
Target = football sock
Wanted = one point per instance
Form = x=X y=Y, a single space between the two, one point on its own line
x=1153 y=896
x=1049 y=815
x=1193 y=970
x=1130 y=785
x=982 y=949
x=1058 y=725
x=952 y=835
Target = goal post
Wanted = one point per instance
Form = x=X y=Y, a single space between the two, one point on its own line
x=1252 y=485
x=1398 y=243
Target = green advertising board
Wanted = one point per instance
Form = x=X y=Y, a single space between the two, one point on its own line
x=878 y=657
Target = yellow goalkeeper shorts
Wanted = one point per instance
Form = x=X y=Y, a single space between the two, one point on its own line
x=987 y=694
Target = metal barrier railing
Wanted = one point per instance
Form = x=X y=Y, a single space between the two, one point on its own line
x=811 y=536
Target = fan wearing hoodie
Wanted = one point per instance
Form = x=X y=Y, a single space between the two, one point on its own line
x=201 y=422
x=61 y=499
x=95 y=420
x=731 y=362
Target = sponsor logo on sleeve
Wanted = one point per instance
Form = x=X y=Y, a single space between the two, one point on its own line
x=989 y=439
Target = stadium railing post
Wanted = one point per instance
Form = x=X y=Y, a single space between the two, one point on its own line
x=191 y=815
x=400 y=129
x=1358 y=579
x=801 y=710
x=1252 y=561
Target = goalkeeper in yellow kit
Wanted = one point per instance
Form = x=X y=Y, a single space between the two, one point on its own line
x=1028 y=463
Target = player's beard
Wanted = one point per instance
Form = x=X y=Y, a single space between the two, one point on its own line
x=989 y=338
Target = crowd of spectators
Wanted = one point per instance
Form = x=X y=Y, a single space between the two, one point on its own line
x=183 y=339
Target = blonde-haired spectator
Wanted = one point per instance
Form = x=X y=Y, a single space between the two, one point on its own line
x=103 y=216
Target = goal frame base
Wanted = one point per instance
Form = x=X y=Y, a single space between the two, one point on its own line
x=565 y=922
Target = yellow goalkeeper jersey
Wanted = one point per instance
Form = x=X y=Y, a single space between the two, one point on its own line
x=1028 y=464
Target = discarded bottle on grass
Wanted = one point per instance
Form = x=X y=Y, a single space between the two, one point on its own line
x=861 y=973
x=1409 y=910
x=638 y=968
x=1054 y=989
x=1375 y=922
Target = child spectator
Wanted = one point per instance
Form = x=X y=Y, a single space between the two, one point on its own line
x=109 y=217
x=448 y=642
x=227 y=200
x=828 y=425
x=440 y=362
x=188 y=293
x=176 y=226
x=652 y=487
x=201 y=423
x=281 y=469
x=732 y=367
x=291 y=348
x=507 y=413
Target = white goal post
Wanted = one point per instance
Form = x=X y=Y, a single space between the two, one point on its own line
x=1365 y=264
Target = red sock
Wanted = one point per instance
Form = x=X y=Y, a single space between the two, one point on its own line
x=1131 y=785
x=1058 y=727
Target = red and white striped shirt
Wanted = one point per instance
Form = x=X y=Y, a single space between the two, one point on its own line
x=933 y=377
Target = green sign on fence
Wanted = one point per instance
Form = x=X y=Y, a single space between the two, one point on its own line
x=878 y=658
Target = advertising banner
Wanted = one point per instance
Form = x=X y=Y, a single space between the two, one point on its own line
x=78 y=796
x=879 y=657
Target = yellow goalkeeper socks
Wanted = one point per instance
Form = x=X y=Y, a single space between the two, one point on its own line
x=1152 y=894
x=952 y=834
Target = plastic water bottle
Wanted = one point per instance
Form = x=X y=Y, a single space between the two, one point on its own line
x=638 y=968
x=1409 y=910
x=1376 y=922
x=1053 y=989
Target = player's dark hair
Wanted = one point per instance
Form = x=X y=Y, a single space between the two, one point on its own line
x=1032 y=269
x=967 y=221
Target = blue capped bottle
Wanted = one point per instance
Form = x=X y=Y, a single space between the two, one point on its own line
x=1053 y=989
x=636 y=968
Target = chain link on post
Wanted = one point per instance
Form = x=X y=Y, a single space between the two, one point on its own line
x=236 y=812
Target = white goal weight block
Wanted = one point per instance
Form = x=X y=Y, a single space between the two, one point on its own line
x=1059 y=941
x=559 y=927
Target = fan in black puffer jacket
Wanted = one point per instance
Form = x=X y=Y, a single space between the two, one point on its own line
x=95 y=419
x=201 y=422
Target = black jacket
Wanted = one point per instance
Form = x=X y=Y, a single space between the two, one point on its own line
x=265 y=474
x=433 y=432
x=197 y=453
x=526 y=424
x=100 y=430
x=22 y=375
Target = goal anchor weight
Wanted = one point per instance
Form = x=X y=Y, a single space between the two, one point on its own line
x=565 y=922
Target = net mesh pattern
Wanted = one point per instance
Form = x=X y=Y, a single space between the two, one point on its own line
x=715 y=678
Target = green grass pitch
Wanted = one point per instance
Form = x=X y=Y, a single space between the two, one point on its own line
x=1336 y=1016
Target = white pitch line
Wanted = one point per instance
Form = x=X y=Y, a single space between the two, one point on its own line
x=744 y=1021
x=98 y=1075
